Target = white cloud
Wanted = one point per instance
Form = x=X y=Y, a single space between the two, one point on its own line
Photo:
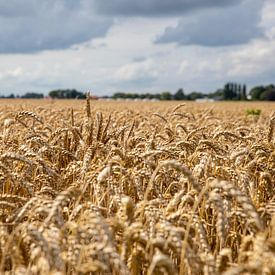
x=18 y=71
x=268 y=18
x=254 y=60
x=12 y=73
x=137 y=71
x=184 y=66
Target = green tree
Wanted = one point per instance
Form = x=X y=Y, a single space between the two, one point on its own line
x=10 y=96
x=218 y=94
x=118 y=95
x=228 y=91
x=256 y=92
x=268 y=95
x=195 y=95
x=270 y=87
x=32 y=95
x=232 y=91
x=179 y=95
x=239 y=92
x=66 y=94
x=157 y=96
x=243 y=95
x=165 y=96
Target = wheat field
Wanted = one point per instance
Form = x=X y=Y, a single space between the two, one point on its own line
x=136 y=188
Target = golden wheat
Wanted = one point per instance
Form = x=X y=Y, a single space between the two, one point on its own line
x=136 y=188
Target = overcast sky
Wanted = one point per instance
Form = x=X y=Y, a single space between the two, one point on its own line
x=141 y=46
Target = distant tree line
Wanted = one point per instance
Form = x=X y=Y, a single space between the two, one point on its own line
x=26 y=95
x=230 y=91
x=179 y=95
x=263 y=93
x=62 y=94
x=32 y=95
x=234 y=91
x=8 y=96
x=69 y=93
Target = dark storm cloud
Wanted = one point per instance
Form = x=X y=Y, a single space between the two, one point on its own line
x=30 y=26
x=232 y=26
x=156 y=7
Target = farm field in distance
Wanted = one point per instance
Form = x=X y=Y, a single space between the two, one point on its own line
x=116 y=187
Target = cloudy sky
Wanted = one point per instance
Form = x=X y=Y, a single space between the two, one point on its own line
x=147 y=45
